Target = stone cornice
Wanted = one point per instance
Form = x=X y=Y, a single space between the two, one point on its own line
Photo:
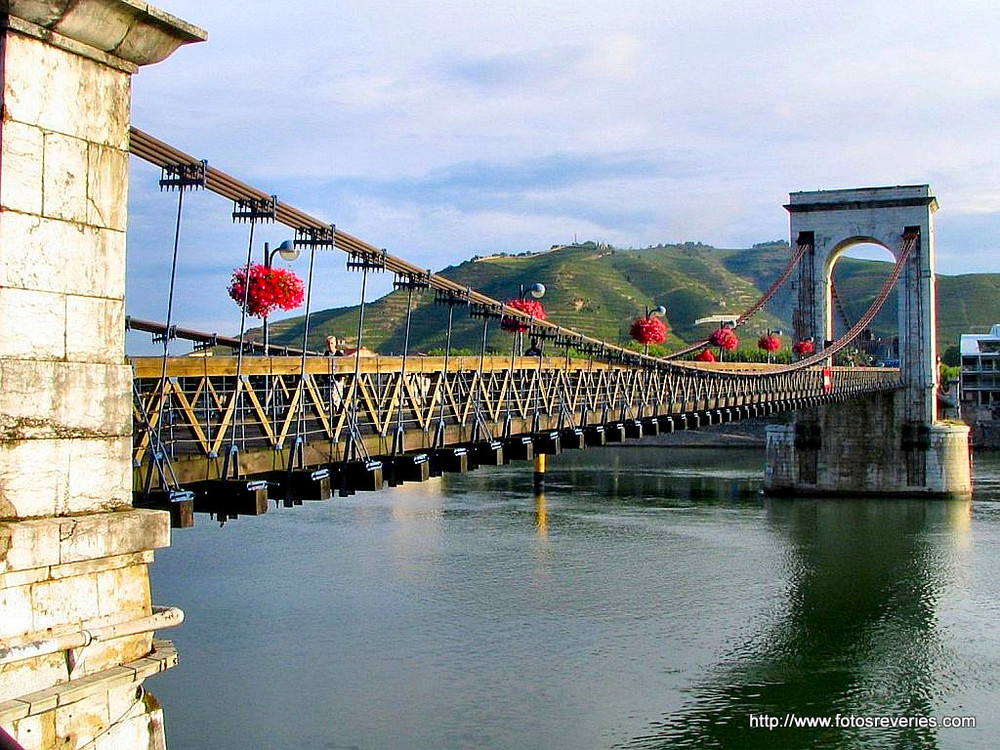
x=130 y=31
x=796 y=208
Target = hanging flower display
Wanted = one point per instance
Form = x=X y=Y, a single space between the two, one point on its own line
x=769 y=343
x=649 y=330
x=530 y=307
x=270 y=289
x=705 y=356
x=803 y=348
x=724 y=338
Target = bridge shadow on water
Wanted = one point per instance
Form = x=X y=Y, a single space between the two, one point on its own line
x=624 y=478
x=856 y=633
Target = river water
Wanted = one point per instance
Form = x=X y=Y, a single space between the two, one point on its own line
x=649 y=599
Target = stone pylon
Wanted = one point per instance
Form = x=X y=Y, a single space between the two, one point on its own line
x=891 y=444
x=76 y=618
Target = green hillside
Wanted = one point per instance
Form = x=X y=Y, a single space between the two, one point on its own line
x=600 y=290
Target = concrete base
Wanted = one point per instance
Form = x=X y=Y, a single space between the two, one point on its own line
x=859 y=450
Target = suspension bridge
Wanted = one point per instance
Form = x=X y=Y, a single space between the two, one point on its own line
x=90 y=437
x=224 y=434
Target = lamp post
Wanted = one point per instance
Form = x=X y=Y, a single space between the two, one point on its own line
x=776 y=332
x=288 y=253
x=537 y=291
x=659 y=311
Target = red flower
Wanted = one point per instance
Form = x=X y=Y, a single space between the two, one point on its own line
x=649 y=330
x=724 y=338
x=803 y=347
x=270 y=289
x=530 y=307
x=705 y=356
x=769 y=343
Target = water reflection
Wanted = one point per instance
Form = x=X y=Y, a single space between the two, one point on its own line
x=631 y=476
x=541 y=515
x=854 y=633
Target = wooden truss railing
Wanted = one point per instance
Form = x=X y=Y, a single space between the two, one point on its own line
x=205 y=414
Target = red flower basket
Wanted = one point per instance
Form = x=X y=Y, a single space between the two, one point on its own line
x=803 y=348
x=649 y=330
x=270 y=289
x=705 y=356
x=724 y=338
x=769 y=343
x=530 y=307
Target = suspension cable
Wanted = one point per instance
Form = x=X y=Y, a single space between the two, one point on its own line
x=839 y=304
x=479 y=421
x=251 y=210
x=354 y=443
x=170 y=311
x=157 y=152
x=239 y=352
x=179 y=176
x=411 y=283
x=451 y=299
x=439 y=438
x=300 y=422
x=508 y=422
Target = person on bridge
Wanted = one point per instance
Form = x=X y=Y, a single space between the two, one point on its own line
x=535 y=350
x=333 y=346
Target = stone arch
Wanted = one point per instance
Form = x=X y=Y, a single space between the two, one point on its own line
x=833 y=259
x=846 y=244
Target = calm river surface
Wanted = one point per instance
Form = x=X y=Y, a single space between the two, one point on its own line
x=650 y=599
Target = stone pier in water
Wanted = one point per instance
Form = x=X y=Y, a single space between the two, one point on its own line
x=891 y=444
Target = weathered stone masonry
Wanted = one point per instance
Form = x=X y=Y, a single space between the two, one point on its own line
x=74 y=554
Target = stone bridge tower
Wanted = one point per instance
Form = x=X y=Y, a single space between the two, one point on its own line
x=891 y=444
x=76 y=617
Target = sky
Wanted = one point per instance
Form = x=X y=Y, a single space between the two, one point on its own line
x=442 y=130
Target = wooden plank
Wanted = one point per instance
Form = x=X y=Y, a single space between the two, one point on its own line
x=368 y=399
x=287 y=423
x=152 y=418
x=462 y=415
x=320 y=407
x=423 y=417
x=193 y=421
x=262 y=417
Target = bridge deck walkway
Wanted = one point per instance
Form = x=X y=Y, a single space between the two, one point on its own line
x=283 y=411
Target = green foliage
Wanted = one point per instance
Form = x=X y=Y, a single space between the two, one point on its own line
x=949 y=372
x=753 y=354
x=952 y=356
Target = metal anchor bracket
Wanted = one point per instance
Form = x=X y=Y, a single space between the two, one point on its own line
x=320 y=238
x=255 y=209
x=192 y=175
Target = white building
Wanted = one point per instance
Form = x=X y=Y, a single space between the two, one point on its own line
x=980 y=371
